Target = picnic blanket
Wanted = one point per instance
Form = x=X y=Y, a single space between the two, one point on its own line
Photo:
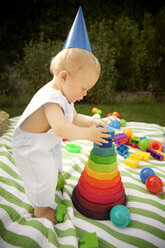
x=18 y=227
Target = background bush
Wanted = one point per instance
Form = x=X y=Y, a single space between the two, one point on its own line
x=132 y=57
x=31 y=71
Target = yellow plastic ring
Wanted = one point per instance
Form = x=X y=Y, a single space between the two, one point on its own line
x=100 y=175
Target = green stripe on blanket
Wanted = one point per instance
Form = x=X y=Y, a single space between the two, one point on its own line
x=18 y=228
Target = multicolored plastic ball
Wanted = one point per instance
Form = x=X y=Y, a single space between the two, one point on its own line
x=94 y=110
x=60 y=182
x=99 y=111
x=115 y=124
x=145 y=173
x=109 y=114
x=154 y=184
x=144 y=144
x=120 y=216
x=123 y=122
x=128 y=132
x=116 y=114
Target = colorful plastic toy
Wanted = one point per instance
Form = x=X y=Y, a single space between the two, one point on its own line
x=155 y=145
x=74 y=148
x=134 y=141
x=102 y=159
x=60 y=182
x=99 y=111
x=131 y=162
x=90 y=240
x=101 y=199
x=118 y=137
x=154 y=184
x=97 y=191
x=100 y=175
x=145 y=156
x=162 y=153
x=145 y=173
x=115 y=124
x=155 y=154
x=60 y=212
x=128 y=132
x=109 y=114
x=116 y=114
x=124 y=141
x=123 y=122
x=134 y=137
x=103 y=167
x=102 y=183
x=107 y=151
x=96 y=209
x=120 y=216
x=94 y=110
x=144 y=144
x=126 y=156
x=109 y=144
x=122 y=149
x=144 y=137
x=111 y=131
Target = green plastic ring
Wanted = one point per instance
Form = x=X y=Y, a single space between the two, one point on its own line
x=74 y=148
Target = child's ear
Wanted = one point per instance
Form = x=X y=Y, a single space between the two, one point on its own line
x=63 y=76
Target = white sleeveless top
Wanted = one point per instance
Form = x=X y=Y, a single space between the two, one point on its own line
x=38 y=156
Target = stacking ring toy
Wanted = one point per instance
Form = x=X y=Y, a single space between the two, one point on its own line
x=156 y=145
x=101 y=199
x=74 y=148
x=102 y=167
x=101 y=183
x=97 y=207
x=96 y=190
x=101 y=175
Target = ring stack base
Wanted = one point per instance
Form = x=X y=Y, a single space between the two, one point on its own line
x=99 y=188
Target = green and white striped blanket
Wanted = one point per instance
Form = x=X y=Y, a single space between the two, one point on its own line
x=18 y=228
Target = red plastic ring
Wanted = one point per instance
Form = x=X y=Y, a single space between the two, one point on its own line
x=156 y=145
x=100 y=199
x=99 y=191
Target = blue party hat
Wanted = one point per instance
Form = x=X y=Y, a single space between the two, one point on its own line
x=78 y=36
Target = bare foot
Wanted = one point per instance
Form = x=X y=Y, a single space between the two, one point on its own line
x=45 y=212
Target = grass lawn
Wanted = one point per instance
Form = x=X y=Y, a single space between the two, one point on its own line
x=149 y=113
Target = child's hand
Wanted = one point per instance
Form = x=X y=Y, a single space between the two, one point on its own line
x=100 y=123
x=97 y=135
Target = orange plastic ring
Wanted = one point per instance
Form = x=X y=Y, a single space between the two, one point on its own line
x=101 y=183
x=156 y=145
x=101 y=199
x=99 y=191
x=101 y=175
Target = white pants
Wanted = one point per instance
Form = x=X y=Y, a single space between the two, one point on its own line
x=38 y=159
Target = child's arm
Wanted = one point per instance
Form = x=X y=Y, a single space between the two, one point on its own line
x=62 y=128
x=87 y=121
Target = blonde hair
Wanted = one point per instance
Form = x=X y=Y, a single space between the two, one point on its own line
x=73 y=60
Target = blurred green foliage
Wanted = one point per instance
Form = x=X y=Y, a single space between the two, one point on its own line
x=31 y=71
x=126 y=38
